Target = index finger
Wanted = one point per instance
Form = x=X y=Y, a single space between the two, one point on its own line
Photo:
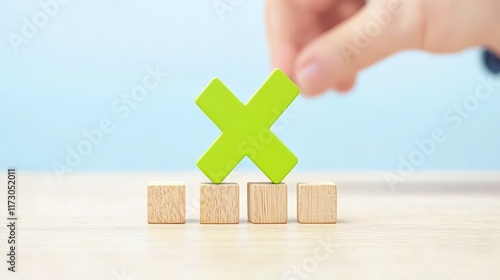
x=282 y=29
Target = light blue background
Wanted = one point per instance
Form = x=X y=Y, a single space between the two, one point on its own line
x=65 y=79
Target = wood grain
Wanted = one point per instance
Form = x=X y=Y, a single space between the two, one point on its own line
x=94 y=226
x=166 y=203
x=219 y=204
x=267 y=203
x=317 y=203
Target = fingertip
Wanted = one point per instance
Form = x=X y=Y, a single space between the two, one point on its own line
x=283 y=58
x=314 y=77
x=311 y=79
x=346 y=86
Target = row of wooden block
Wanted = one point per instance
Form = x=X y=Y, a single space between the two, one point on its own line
x=219 y=203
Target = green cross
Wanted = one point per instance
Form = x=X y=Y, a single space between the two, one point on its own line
x=246 y=128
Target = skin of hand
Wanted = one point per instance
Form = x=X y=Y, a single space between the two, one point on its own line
x=323 y=44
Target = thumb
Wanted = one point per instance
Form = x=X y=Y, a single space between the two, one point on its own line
x=379 y=29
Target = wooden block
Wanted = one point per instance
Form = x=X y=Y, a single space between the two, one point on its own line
x=166 y=203
x=317 y=203
x=219 y=203
x=267 y=203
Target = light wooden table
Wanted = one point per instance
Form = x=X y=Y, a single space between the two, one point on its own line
x=93 y=226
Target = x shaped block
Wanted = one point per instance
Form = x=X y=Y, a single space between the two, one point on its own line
x=246 y=128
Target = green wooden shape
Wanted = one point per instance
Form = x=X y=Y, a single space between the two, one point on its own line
x=246 y=129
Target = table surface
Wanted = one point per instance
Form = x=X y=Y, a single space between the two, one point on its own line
x=93 y=226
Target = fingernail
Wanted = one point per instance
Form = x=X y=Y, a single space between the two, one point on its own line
x=310 y=78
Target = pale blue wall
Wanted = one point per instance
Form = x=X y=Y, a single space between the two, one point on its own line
x=65 y=79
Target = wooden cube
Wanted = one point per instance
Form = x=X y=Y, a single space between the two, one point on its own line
x=317 y=203
x=166 y=203
x=267 y=203
x=219 y=204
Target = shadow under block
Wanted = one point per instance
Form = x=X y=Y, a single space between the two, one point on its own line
x=166 y=203
x=267 y=203
x=317 y=203
x=219 y=204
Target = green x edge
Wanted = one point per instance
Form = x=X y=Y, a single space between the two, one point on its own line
x=246 y=129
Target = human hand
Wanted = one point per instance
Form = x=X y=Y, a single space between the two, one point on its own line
x=323 y=44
